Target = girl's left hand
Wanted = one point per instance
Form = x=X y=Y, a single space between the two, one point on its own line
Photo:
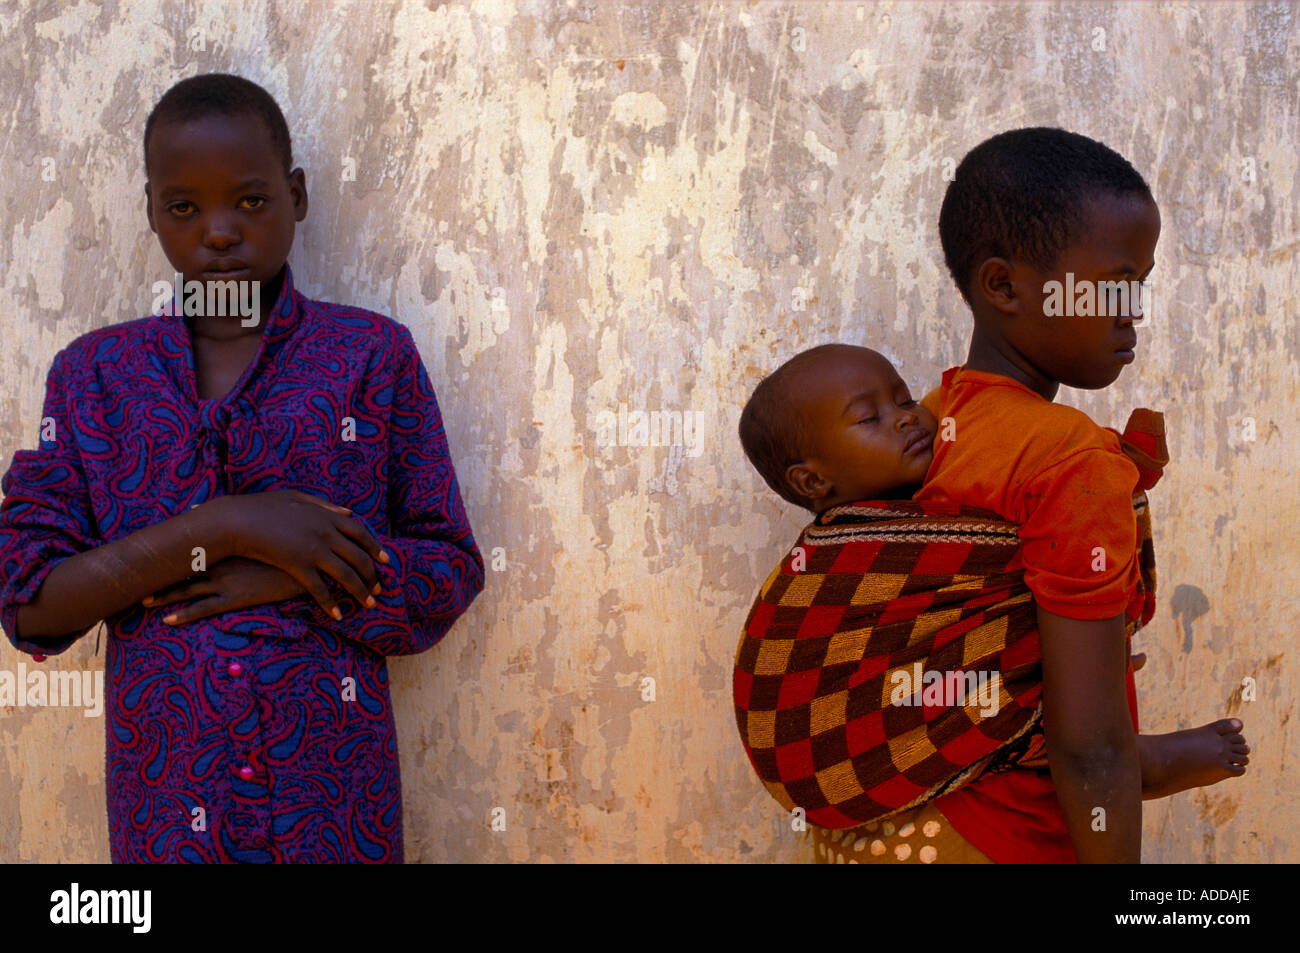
x=233 y=583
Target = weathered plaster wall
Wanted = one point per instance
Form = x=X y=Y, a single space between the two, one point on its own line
x=578 y=206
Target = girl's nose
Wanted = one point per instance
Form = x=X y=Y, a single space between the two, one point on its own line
x=220 y=233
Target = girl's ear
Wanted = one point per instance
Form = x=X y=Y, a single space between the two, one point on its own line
x=148 y=208
x=298 y=192
x=995 y=283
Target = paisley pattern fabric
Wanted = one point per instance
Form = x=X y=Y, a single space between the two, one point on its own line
x=267 y=734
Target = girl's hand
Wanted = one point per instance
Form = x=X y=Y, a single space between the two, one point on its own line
x=305 y=535
x=234 y=583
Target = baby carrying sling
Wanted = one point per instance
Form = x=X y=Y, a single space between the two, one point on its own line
x=893 y=655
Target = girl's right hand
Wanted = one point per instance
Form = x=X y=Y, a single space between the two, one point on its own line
x=306 y=535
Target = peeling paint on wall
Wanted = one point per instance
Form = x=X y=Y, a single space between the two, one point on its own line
x=579 y=207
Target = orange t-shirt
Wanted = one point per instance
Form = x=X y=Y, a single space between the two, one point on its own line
x=1069 y=486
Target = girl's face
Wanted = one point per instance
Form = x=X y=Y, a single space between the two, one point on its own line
x=1088 y=351
x=219 y=200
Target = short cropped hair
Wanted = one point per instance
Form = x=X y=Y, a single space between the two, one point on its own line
x=220 y=94
x=772 y=430
x=1022 y=195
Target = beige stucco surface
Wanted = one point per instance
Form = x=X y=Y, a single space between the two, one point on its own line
x=582 y=206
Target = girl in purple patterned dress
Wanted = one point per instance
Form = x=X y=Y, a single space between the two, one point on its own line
x=259 y=513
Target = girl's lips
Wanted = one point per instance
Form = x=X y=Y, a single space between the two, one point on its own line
x=1126 y=356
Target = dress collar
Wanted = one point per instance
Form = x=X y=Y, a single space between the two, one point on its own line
x=176 y=349
x=286 y=312
x=987 y=378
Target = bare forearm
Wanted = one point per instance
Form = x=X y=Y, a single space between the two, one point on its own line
x=1109 y=779
x=1091 y=745
x=92 y=585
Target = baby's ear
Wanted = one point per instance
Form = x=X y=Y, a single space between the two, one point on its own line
x=805 y=481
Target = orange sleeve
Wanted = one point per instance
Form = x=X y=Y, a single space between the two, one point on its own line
x=931 y=401
x=1079 y=537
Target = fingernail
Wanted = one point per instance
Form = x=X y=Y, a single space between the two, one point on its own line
x=378 y=589
x=383 y=555
x=147 y=600
x=171 y=619
x=338 y=616
x=370 y=601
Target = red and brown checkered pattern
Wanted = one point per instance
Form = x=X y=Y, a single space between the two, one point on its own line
x=871 y=589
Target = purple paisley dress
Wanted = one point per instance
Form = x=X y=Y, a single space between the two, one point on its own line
x=263 y=735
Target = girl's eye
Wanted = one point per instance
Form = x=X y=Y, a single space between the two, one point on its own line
x=868 y=420
x=178 y=208
x=256 y=198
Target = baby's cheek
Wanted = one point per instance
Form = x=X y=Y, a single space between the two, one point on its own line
x=923 y=461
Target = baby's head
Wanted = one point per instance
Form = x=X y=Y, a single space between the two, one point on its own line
x=1025 y=208
x=219 y=191
x=836 y=424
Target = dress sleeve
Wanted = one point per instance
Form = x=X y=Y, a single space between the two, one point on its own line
x=46 y=515
x=1079 y=537
x=434 y=569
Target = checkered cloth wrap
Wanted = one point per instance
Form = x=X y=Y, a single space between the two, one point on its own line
x=875 y=588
